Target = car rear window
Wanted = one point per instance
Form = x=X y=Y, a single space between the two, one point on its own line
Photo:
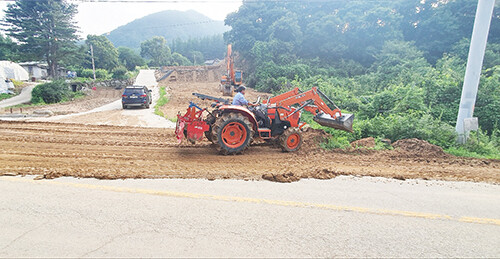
x=134 y=90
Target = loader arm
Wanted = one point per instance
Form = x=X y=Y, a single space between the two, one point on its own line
x=283 y=96
x=289 y=99
x=312 y=101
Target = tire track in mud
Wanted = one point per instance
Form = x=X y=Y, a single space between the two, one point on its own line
x=113 y=152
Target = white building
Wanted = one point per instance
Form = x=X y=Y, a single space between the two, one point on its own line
x=40 y=70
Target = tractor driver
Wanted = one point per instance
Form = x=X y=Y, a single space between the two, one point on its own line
x=239 y=98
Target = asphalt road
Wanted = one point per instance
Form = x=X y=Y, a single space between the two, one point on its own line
x=342 y=217
x=23 y=97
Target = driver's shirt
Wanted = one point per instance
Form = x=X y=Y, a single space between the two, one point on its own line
x=239 y=99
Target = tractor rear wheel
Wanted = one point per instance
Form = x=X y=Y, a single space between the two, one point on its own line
x=232 y=132
x=210 y=120
x=290 y=140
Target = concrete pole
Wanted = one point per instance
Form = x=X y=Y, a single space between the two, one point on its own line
x=474 y=65
x=92 y=54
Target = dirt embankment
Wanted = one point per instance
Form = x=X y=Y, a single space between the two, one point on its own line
x=110 y=152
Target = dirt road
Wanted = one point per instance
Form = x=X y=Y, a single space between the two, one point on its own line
x=23 y=97
x=111 y=152
x=113 y=114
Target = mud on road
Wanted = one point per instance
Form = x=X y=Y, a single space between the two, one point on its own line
x=112 y=152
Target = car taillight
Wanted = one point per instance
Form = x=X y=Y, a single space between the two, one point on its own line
x=143 y=95
x=124 y=95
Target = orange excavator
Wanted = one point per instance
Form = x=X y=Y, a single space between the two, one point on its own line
x=232 y=78
x=232 y=127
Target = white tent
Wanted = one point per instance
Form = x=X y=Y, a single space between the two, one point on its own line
x=11 y=70
x=6 y=86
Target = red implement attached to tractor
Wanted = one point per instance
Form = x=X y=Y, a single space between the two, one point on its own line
x=231 y=127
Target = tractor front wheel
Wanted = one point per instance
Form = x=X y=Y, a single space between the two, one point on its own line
x=290 y=140
x=234 y=132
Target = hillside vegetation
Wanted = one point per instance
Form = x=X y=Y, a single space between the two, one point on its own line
x=398 y=65
x=169 y=24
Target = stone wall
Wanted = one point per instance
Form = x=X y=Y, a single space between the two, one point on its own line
x=112 y=83
x=191 y=73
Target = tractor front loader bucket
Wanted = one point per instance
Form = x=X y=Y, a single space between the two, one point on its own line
x=344 y=122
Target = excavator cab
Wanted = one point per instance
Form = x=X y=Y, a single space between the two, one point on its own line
x=238 y=77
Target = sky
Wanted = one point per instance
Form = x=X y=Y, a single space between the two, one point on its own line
x=101 y=17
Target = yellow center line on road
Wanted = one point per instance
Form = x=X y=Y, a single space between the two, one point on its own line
x=297 y=204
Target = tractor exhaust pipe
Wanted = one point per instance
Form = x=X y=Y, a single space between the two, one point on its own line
x=344 y=122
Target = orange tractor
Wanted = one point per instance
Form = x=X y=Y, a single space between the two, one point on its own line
x=232 y=127
x=232 y=77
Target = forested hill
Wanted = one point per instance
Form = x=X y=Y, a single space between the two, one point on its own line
x=170 y=24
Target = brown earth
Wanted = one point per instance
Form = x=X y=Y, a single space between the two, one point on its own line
x=111 y=152
x=114 y=152
x=416 y=147
x=364 y=143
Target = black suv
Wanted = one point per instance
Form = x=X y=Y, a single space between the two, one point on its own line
x=136 y=96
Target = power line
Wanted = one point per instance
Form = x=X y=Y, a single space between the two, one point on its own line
x=211 y=1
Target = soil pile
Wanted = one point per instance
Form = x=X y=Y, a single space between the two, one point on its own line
x=418 y=148
x=312 y=138
x=364 y=143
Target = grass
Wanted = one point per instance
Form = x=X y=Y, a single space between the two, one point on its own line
x=74 y=96
x=6 y=96
x=462 y=152
x=27 y=105
x=161 y=102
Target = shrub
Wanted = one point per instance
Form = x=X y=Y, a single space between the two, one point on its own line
x=120 y=72
x=16 y=83
x=88 y=73
x=52 y=92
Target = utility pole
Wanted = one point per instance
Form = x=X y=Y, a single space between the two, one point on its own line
x=92 y=54
x=474 y=65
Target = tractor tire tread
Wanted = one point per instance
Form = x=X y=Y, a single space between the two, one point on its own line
x=282 y=140
x=222 y=121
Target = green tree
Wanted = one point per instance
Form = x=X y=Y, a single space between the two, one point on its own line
x=44 y=29
x=180 y=60
x=211 y=47
x=129 y=58
x=157 y=51
x=196 y=57
x=7 y=48
x=105 y=54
